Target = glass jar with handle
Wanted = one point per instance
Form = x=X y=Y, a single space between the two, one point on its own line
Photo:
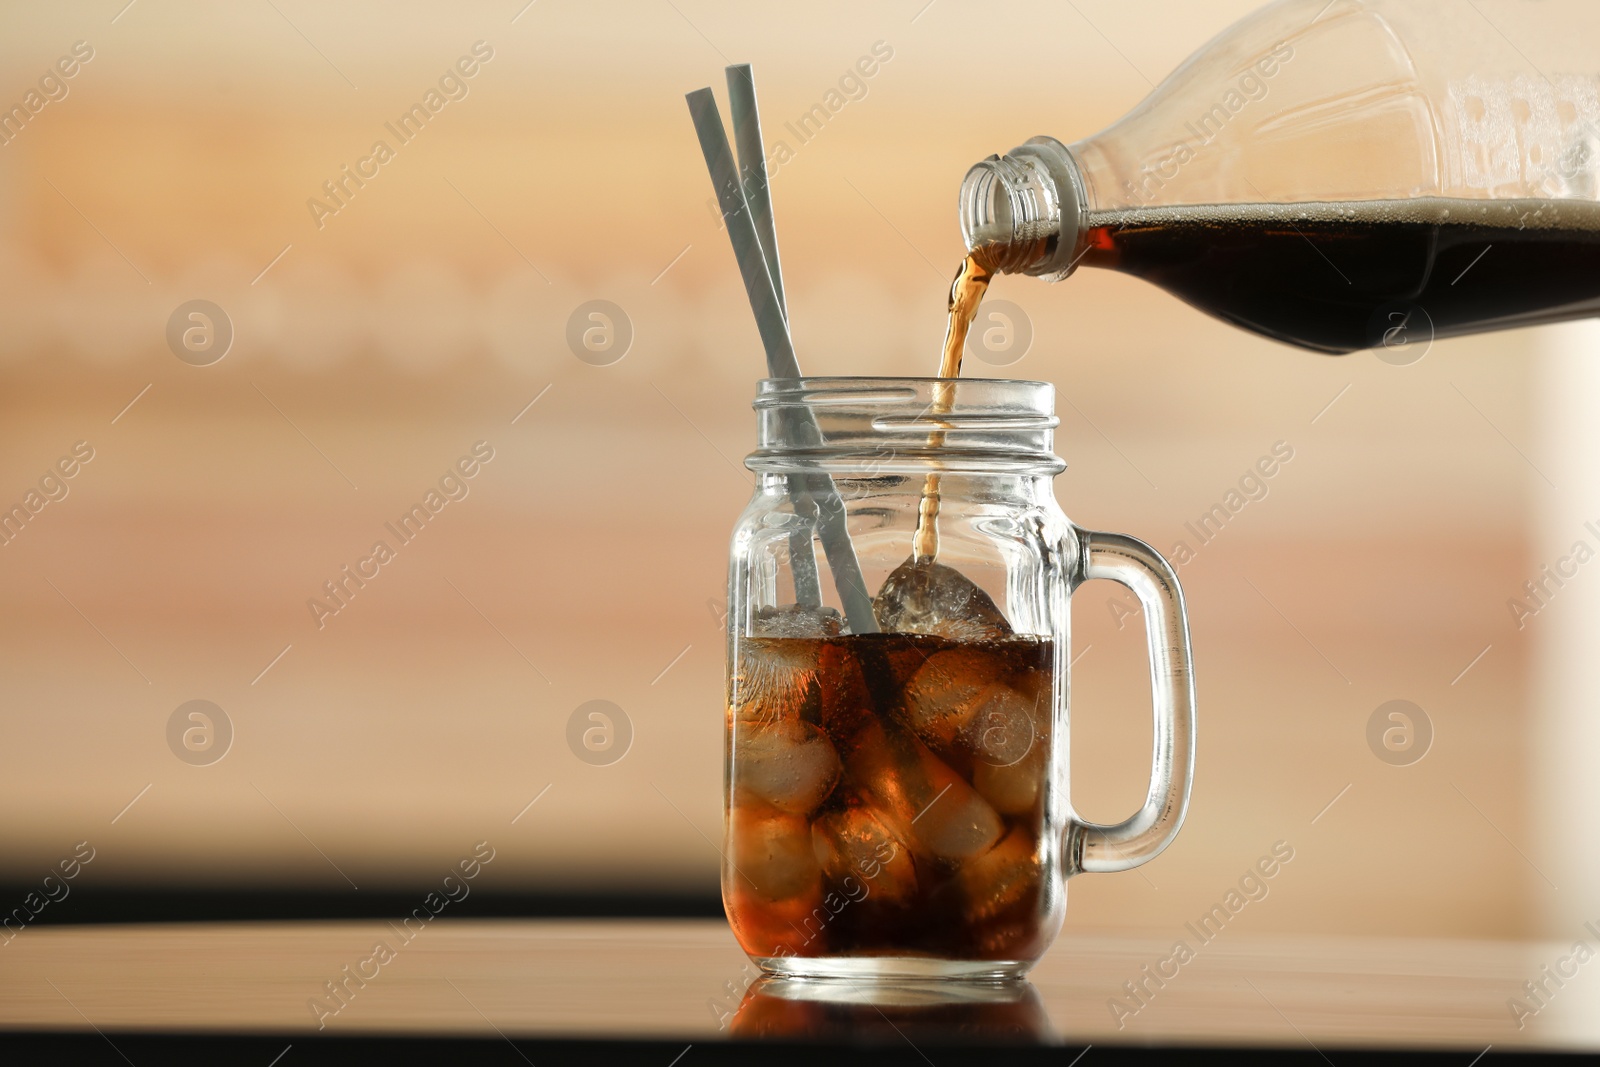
x=896 y=787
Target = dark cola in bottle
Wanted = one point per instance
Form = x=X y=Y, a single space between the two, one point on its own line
x=1337 y=176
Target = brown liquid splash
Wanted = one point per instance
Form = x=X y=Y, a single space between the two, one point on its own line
x=966 y=293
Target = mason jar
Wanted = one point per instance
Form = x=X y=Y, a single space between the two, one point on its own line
x=895 y=772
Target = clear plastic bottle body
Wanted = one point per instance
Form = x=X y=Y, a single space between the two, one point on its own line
x=1320 y=166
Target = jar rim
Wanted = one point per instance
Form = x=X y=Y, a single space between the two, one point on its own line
x=774 y=384
x=836 y=423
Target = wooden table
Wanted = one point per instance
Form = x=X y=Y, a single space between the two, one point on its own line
x=547 y=989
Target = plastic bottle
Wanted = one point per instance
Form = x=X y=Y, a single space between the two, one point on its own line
x=1329 y=173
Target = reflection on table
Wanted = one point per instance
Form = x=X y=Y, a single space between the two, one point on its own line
x=939 y=1012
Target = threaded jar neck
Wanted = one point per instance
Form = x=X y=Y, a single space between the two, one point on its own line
x=895 y=426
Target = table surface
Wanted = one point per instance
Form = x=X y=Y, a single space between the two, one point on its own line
x=687 y=980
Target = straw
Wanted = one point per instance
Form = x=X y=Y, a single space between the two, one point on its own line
x=816 y=493
x=758 y=196
x=771 y=319
x=753 y=165
x=747 y=249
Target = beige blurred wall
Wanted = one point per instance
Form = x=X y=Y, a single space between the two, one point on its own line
x=588 y=560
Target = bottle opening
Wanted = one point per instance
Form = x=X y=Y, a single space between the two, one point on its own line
x=1024 y=209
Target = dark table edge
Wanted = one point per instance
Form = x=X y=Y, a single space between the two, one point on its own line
x=301 y=1050
x=92 y=904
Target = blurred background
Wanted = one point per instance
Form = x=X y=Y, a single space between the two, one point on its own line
x=378 y=338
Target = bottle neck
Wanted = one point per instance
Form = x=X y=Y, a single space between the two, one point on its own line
x=1027 y=210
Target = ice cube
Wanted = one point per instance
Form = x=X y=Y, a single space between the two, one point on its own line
x=766 y=927
x=792 y=620
x=770 y=851
x=1001 y=877
x=855 y=844
x=1010 y=735
x=944 y=694
x=774 y=680
x=918 y=796
x=788 y=763
x=1002 y=727
x=925 y=597
x=957 y=822
x=777 y=665
x=1013 y=788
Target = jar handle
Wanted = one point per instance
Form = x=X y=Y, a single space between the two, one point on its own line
x=1125 y=845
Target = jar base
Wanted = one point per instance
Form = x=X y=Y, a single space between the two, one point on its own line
x=894 y=967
